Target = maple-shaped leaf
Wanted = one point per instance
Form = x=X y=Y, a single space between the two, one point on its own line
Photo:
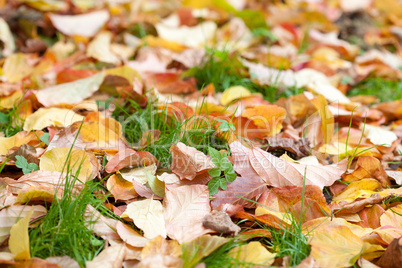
x=184 y=209
x=254 y=163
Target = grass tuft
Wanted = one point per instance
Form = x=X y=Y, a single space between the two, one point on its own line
x=385 y=90
x=224 y=69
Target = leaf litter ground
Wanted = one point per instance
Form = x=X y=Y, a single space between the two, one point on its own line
x=175 y=133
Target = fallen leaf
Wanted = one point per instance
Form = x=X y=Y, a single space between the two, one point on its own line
x=240 y=188
x=358 y=189
x=159 y=260
x=37 y=193
x=28 y=152
x=100 y=48
x=327 y=119
x=86 y=25
x=368 y=167
x=11 y=100
x=253 y=253
x=392 y=217
x=47 y=117
x=129 y=157
x=148 y=216
x=392 y=256
x=105 y=134
x=335 y=246
x=40 y=178
x=184 y=209
x=268 y=118
x=109 y=257
x=188 y=162
x=63 y=261
x=187 y=36
x=19 y=238
x=7 y=38
x=277 y=172
x=234 y=93
x=344 y=208
x=102 y=226
x=10 y=215
x=300 y=148
x=162 y=246
x=379 y=135
x=16 y=67
x=199 y=248
x=130 y=236
x=120 y=188
x=170 y=83
x=72 y=92
x=82 y=164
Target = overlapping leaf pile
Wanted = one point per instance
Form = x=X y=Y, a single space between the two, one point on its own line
x=174 y=133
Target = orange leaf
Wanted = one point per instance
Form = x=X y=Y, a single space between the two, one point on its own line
x=266 y=117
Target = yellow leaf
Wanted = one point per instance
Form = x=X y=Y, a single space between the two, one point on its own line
x=200 y=247
x=36 y=193
x=48 y=5
x=153 y=41
x=16 y=67
x=23 y=137
x=335 y=246
x=285 y=217
x=253 y=253
x=358 y=189
x=125 y=72
x=162 y=246
x=46 y=117
x=84 y=162
x=19 y=239
x=10 y=101
x=327 y=119
x=234 y=93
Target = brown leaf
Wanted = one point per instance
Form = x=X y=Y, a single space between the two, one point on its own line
x=392 y=256
x=343 y=208
x=300 y=148
x=267 y=219
x=252 y=163
x=250 y=188
x=220 y=222
x=370 y=217
x=129 y=157
x=188 y=162
x=171 y=83
x=28 y=152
